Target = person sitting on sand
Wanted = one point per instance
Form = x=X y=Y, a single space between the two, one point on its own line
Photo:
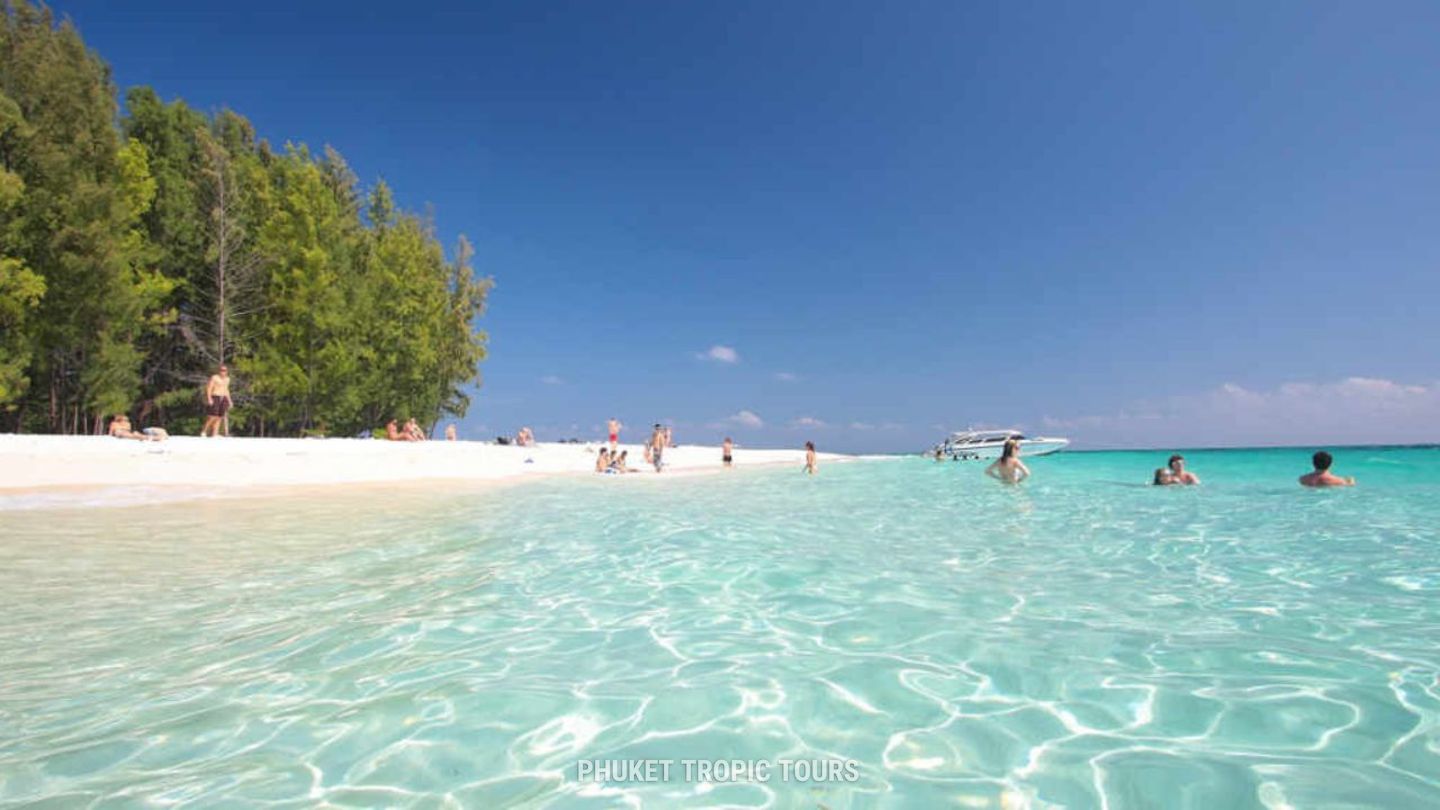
x=450 y=432
x=120 y=428
x=1178 y=473
x=1009 y=468
x=602 y=461
x=412 y=432
x=392 y=433
x=727 y=450
x=617 y=462
x=525 y=438
x=1321 y=476
x=623 y=465
x=810 y=466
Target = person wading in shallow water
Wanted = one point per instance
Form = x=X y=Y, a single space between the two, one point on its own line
x=1178 y=473
x=810 y=466
x=217 y=403
x=1321 y=476
x=1009 y=468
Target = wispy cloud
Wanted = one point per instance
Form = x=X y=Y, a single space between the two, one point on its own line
x=720 y=354
x=863 y=426
x=744 y=418
x=809 y=422
x=551 y=379
x=786 y=376
x=1355 y=410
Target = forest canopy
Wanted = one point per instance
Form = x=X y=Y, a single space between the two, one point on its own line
x=140 y=249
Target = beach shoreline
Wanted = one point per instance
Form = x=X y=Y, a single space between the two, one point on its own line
x=65 y=469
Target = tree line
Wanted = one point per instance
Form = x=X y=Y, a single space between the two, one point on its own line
x=141 y=249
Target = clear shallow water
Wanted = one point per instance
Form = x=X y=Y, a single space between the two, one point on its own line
x=1081 y=641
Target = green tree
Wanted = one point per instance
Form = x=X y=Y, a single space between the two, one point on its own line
x=134 y=259
x=20 y=288
x=73 y=224
x=302 y=370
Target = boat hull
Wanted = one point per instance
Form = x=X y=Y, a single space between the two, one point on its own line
x=989 y=451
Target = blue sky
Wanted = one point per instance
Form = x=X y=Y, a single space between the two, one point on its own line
x=1133 y=224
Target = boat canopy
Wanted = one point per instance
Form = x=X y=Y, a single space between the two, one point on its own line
x=984 y=436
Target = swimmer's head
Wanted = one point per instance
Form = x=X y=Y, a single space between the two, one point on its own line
x=1322 y=461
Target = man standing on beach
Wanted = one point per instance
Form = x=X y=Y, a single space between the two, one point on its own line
x=727 y=450
x=614 y=426
x=217 y=403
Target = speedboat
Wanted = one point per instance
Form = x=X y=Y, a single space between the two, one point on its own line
x=986 y=444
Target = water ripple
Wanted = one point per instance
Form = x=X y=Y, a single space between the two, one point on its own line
x=1069 y=644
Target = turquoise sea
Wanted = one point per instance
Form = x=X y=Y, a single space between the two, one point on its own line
x=1081 y=641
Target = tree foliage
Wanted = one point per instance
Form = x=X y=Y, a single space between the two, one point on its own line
x=135 y=258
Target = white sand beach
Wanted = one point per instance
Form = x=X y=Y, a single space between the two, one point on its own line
x=42 y=461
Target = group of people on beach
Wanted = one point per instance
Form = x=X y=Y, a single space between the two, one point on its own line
x=218 y=402
x=1008 y=468
x=411 y=432
x=1011 y=470
x=612 y=460
x=217 y=409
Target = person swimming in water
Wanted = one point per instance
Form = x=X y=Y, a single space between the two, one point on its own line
x=1009 y=468
x=1163 y=477
x=1178 y=473
x=1321 y=476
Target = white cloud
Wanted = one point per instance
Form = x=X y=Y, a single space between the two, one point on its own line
x=746 y=419
x=1355 y=410
x=809 y=422
x=786 y=376
x=861 y=426
x=720 y=354
x=551 y=379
